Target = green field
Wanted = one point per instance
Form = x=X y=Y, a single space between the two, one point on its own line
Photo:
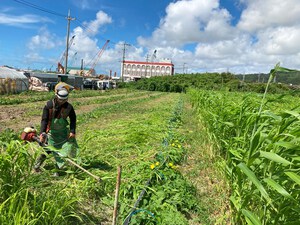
x=202 y=157
x=155 y=137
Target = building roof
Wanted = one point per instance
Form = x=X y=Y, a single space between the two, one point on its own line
x=77 y=68
x=6 y=72
x=150 y=63
x=51 y=75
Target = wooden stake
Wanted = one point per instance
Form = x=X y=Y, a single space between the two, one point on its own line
x=115 y=214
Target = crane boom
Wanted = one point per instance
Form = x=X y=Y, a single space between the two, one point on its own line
x=153 y=57
x=63 y=56
x=96 y=59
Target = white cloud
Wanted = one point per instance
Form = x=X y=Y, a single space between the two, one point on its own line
x=93 y=26
x=85 y=44
x=190 y=21
x=21 y=20
x=261 y=14
x=195 y=34
x=43 y=40
x=267 y=32
x=279 y=40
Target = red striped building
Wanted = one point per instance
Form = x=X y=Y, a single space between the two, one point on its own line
x=134 y=70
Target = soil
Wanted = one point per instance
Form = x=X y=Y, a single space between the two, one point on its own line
x=17 y=117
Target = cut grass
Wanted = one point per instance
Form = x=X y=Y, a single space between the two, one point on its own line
x=130 y=133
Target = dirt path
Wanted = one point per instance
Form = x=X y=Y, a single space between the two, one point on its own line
x=16 y=117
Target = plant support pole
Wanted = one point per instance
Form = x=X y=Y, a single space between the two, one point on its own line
x=115 y=214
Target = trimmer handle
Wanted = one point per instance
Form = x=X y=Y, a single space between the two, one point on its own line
x=37 y=139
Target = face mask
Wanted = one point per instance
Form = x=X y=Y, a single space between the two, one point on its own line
x=61 y=101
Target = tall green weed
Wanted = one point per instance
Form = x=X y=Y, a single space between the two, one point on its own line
x=261 y=150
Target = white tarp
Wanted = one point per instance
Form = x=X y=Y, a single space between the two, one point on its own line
x=12 y=81
x=6 y=72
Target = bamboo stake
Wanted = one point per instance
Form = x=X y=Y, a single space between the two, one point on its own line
x=115 y=213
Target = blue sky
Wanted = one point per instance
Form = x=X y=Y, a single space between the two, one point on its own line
x=239 y=36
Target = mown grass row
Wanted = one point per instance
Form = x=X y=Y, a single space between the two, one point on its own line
x=33 y=96
x=27 y=198
x=261 y=148
x=168 y=196
x=134 y=142
x=127 y=133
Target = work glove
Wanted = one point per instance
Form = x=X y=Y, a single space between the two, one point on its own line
x=71 y=135
x=43 y=137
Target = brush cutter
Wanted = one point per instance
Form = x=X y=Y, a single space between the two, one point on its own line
x=29 y=134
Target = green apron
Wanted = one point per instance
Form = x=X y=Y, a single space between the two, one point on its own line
x=58 y=138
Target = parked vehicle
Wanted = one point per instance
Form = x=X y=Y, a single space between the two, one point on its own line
x=50 y=85
x=87 y=84
x=105 y=84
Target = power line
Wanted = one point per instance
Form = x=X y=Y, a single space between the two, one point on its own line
x=29 y=4
x=81 y=23
x=39 y=8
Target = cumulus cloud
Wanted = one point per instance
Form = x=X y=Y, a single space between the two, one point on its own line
x=261 y=14
x=38 y=44
x=198 y=35
x=279 y=41
x=85 y=44
x=262 y=36
x=93 y=26
x=43 y=40
x=191 y=21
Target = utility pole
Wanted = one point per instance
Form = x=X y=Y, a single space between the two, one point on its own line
x=69 y=18
x=152 y=60
x=183 y=69
x=123 y=60
x=147 y=60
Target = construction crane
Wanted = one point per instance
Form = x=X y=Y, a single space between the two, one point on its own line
x=153 y=57
x=73 y=58
x=60 y=67
x=96 y=59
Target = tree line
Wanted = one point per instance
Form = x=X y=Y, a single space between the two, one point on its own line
x=215 y=81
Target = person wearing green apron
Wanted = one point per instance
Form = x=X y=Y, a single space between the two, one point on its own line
x=56 y=130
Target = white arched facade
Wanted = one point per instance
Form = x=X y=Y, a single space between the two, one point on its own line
x=133 y=70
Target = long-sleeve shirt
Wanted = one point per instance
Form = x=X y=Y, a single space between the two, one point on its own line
x=56 y=114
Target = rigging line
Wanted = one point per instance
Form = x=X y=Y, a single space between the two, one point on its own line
x=81 y=23
x=39 y=8
x=90 y=30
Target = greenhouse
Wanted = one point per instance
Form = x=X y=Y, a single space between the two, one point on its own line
x=12 y=81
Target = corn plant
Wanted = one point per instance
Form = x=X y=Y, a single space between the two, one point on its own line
x=15 y=165
x=260 y=147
